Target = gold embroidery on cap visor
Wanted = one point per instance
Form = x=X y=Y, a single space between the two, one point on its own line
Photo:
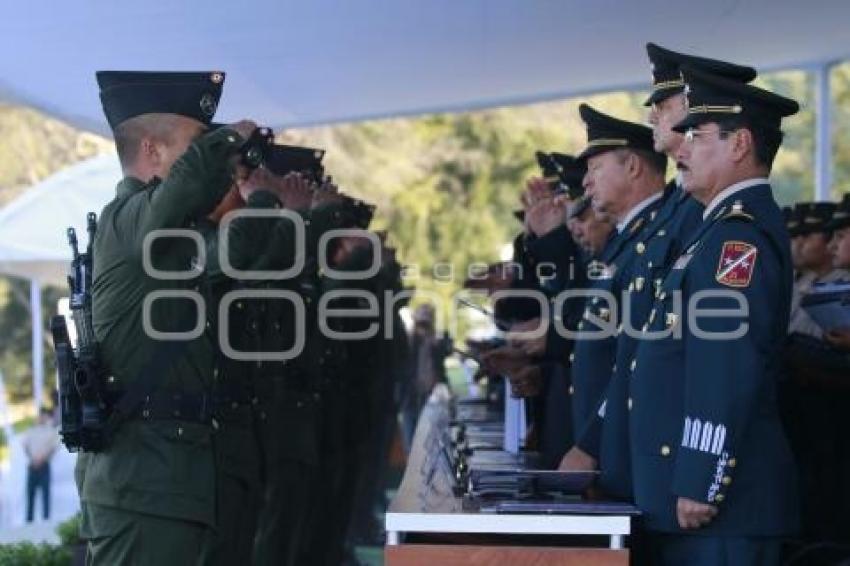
x=709 y=109
x=675 y=83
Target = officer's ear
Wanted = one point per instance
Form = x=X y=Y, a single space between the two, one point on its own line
x=741 y=144
x=634 y=165
x=151 y=151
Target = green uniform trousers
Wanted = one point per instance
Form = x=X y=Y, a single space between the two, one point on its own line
x=118 y=536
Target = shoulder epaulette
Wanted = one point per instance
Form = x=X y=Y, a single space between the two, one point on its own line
x=736 y=211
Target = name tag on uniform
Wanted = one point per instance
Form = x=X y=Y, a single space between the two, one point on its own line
x=683 y=261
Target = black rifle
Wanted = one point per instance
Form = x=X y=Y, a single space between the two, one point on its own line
x=83 y=406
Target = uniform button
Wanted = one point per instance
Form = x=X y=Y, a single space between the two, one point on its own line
x=732 y=462
x=234 y=405
x=179 y=431
x=110 y=379
x=614 y=368
x=586 y=314
x=572 y=357
x=572 y=389
x=630 y=405
x=662 y=295
x=726 y=480
x=662 y=232
x=672 y=319
x=580 y=325
x=594 y=301
x=640 y=247
x=665 y=450
x=633 y=365
x=231 y=139
x=639 y=282
x=604 y=314
x=719 y=498
x=649 y=265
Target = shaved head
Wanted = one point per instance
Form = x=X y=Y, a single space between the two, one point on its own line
x=149 y=144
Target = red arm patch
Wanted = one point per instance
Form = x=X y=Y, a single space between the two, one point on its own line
x=737 y=263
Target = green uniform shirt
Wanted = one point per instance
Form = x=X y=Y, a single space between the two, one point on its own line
x=159 y=467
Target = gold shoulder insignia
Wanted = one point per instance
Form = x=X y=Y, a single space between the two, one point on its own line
x=737 y=211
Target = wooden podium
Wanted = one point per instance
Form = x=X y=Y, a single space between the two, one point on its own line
x=428 y=525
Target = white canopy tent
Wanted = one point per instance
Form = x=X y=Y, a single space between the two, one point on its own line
x=294 y=63
x=33 y=244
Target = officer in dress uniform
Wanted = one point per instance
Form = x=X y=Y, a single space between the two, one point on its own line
x=625 y=178
x=606 y=439
x=812 y=406
x=712 y=470
x=554 y=255
x=814 y=262
x=149 y=497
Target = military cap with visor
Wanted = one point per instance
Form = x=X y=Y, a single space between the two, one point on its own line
x=607 y=133
x=667 y=79
x=815 y=218
x=841 y=216
x=794 y=219
x=127 y=94
x=712 y=98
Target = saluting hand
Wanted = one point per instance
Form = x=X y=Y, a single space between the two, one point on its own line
x=294 y=191
x=694 y=514
x=546 y=215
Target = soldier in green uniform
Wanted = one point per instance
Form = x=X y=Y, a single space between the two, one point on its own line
x=344 y=368
x=254 y=326
x=148 y=498
x=287 y=392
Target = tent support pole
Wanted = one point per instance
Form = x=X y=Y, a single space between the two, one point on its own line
x=37 y=345
x=823 y=132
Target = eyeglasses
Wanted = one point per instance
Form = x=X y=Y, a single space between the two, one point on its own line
x=692 y=134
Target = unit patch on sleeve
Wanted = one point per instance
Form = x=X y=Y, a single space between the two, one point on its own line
x=737 y=263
